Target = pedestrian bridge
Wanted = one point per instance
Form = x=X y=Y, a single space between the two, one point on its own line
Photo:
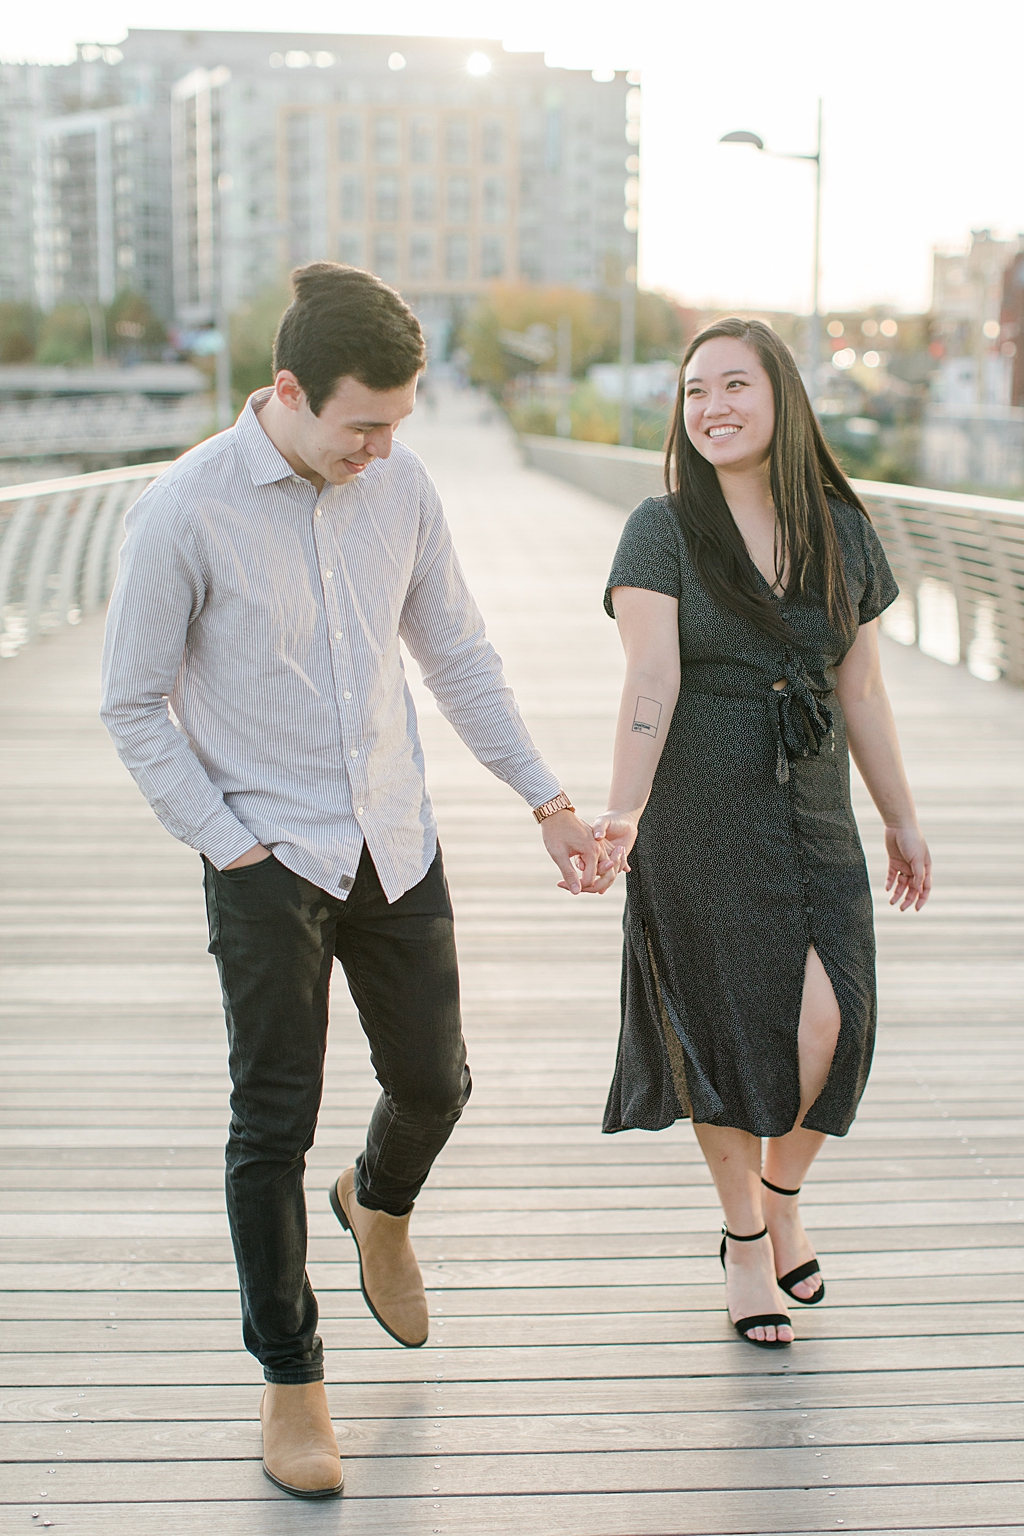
x=581 y=1376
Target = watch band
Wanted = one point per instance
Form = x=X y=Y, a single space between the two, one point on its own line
x=561 y=802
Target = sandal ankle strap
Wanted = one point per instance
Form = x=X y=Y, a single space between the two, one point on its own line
x=752 y=1238
x=778 y=1190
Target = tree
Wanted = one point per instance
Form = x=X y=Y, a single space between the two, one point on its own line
x=661 y=329
x=132 y=329
x=253 y=327
x=65 y=336
x=19 y=324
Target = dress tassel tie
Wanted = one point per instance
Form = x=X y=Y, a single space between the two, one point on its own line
x=801 y=718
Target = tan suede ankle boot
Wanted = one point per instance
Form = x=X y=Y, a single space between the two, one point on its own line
x=389 y=1275
x=300 y=1449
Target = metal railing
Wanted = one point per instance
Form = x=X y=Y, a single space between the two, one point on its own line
x=58 y=549
x=959 y=560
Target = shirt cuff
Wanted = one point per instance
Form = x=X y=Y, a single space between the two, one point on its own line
x=224 y=840
x=537 y=784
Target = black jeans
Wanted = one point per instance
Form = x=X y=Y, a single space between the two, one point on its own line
x=275 y=937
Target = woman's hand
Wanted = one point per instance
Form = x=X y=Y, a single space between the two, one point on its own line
x=618 y=830
x=910 y=868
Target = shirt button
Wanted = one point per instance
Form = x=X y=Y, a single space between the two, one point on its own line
x=337 y=634
x=319 y=511
x=328 y=574
x=359 y=810
x=346 y=694
x=354 y=752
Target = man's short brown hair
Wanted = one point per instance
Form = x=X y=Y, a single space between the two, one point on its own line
x=345 y=323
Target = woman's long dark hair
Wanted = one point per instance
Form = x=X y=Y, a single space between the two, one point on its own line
x=803 y=472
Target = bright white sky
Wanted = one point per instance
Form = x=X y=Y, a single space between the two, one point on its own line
x=921 y=102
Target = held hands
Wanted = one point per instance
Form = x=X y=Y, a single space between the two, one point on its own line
x=587 y=863
x=618 y=829
x=910 y=868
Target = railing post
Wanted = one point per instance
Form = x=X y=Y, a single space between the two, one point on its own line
x=96 y=587
x=71 y=555
x=1009 y=583
x=17 y=531
x=48 y=530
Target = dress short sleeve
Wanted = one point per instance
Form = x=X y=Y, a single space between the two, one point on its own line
x=648 y=552
x=880 y=587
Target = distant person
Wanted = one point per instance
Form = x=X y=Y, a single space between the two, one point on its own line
x=265 y=583
x=747 y=601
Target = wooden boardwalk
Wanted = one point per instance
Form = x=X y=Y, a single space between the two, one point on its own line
x=581 y=1376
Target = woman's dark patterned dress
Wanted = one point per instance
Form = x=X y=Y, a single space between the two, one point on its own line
x=748 y=853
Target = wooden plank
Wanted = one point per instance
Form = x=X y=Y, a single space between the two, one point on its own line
x=628 y=1259
x=102 y=1336
x=454 y=1474
x=895 y=1389
x=718 y=1353
x=947 y=1508
x=228 y=1439
x=561 y=1301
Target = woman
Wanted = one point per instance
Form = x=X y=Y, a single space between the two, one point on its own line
x=747 y=601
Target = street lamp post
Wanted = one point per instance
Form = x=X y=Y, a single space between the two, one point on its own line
x=222 y=319
x=742 y=136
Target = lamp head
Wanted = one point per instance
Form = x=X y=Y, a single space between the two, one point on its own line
x=741 y=136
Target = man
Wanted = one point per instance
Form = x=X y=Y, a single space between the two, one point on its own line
x=265 y=582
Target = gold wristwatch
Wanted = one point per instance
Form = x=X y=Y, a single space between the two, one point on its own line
x=561 y=802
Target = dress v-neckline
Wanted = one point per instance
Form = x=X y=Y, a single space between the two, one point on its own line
x=774 y=592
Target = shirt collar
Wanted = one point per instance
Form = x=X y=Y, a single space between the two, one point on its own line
x=266 y=465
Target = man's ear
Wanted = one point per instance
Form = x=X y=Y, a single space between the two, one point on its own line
x=288 y=390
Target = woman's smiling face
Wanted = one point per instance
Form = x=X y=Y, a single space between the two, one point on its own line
x=728 y=405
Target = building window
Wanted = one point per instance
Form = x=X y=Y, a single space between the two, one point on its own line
x=421 y=141
x=495 y=211
x=456 y=258
x=456 y=141
x=350 y=250
x=350 y=139
x=385 y=140
x=421 y=256
x=352 y=199
x=492 y=256
x=424 y=199
x=492 y=141
x=459 y=199
x=385 y=257
x=386 y=199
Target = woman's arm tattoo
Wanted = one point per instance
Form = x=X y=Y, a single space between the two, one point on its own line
x=647 y=716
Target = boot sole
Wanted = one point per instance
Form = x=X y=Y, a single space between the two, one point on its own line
x=304 y=1493
x=339 y=1211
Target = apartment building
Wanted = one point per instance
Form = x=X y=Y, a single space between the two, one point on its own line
x=83 y=163
x=197 y=167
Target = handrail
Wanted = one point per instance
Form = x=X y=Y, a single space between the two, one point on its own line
x=58 y=548
x=82 y=482
x=959 y=559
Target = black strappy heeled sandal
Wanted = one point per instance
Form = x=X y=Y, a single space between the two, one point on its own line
x=763 y=1319
x=802 y=1271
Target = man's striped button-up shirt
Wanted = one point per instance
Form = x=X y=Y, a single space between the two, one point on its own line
x=253 y=678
